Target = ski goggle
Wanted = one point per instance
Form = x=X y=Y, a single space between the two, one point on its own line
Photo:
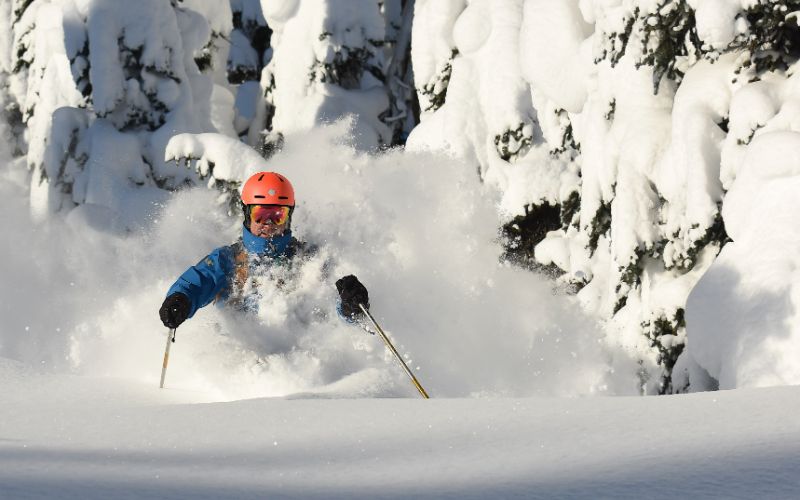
x=269 y=214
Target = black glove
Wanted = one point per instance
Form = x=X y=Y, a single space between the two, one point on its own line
x=175 y=310
x=352 y=293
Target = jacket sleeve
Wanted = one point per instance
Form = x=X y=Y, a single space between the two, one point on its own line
x=202 y=282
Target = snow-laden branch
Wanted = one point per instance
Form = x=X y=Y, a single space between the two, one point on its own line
x=216 y=155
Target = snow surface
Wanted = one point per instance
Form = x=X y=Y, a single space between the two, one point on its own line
x=82 y=438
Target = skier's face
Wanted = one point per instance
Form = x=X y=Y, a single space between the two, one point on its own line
x=268 y=221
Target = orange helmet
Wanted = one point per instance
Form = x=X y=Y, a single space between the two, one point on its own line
x=268 y=188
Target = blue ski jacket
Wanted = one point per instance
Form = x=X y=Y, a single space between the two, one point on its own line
x=213 y=277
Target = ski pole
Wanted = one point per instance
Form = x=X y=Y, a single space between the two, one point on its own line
x=396 y=354
x=170 y=340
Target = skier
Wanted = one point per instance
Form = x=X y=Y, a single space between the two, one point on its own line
x=267 y=203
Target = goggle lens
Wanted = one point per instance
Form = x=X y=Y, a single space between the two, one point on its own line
x=269 y=214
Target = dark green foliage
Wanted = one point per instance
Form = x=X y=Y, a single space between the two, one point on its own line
x=512 y=144
x=670 y=34
x=231 y=188
x=570 y=210
x=259 y=35
x=612 y=110
x=601 y=224
x=139 y=118
x=746 y=141
x=22 y=56
x=346 y=69
x=205 y=58
x=715 y=234
x=619 y=41
x=668 y=352
x=773 y=41
x=524 y=232
x=13 y=116
x=622 y=301
x=631 y=275
x=80 y=70
x=568 y=142
x=20 y=6
x=723 y=124
x=271 y=143
x=436 y=91
x=269 y=91
x=669 y=39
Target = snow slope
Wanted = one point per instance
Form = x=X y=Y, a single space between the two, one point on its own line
x=83 y=438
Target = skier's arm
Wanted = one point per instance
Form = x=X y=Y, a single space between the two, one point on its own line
x=202 y=282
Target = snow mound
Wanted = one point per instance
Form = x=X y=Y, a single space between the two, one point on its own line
x=742 y=317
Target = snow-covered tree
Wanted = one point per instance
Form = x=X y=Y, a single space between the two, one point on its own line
x=130 y=77
x=101 y=87
x=617 y=130
x=332 y=58
x=327 y=60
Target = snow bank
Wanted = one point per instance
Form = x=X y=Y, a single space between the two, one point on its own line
x=742 y=316
x=84 y=438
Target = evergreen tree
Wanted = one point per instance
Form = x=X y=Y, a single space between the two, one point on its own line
x=666 y=39
x=333 y=58
x=127 y=78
